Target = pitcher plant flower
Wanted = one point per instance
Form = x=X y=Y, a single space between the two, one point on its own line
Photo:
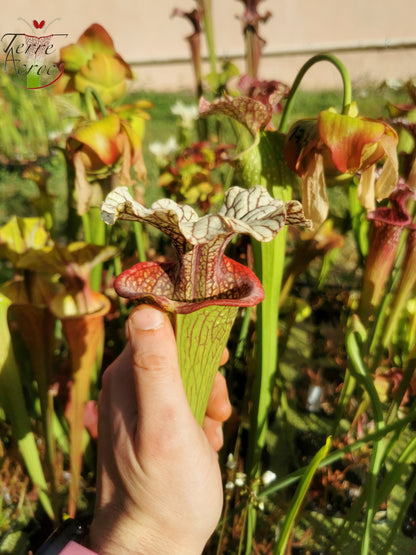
x=103 y=150
x=93 y=62
x=136 y=114
x=203 y=288
x=344 y=144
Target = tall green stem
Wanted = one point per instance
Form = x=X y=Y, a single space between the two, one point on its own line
x=269 y=265
x=139 y=236
x=95 y=234
x=209 y=32
x=91 y=95
x=250 y=55
x=347 y=98
x=94 y=228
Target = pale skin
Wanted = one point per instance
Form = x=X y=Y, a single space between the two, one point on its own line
x=159 y=488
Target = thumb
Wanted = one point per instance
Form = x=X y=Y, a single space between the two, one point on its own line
x=157 y=379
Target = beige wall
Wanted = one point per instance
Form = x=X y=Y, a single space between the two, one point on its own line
x=143 y=30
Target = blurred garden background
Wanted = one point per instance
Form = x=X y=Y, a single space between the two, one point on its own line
x=377 y=40
x=313 y=101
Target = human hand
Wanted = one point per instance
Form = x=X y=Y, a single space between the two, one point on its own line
x=159 y=486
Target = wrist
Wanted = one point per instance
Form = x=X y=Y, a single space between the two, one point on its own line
x=115 y=536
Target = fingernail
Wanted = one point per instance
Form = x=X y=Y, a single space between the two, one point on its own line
x=146 y=318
